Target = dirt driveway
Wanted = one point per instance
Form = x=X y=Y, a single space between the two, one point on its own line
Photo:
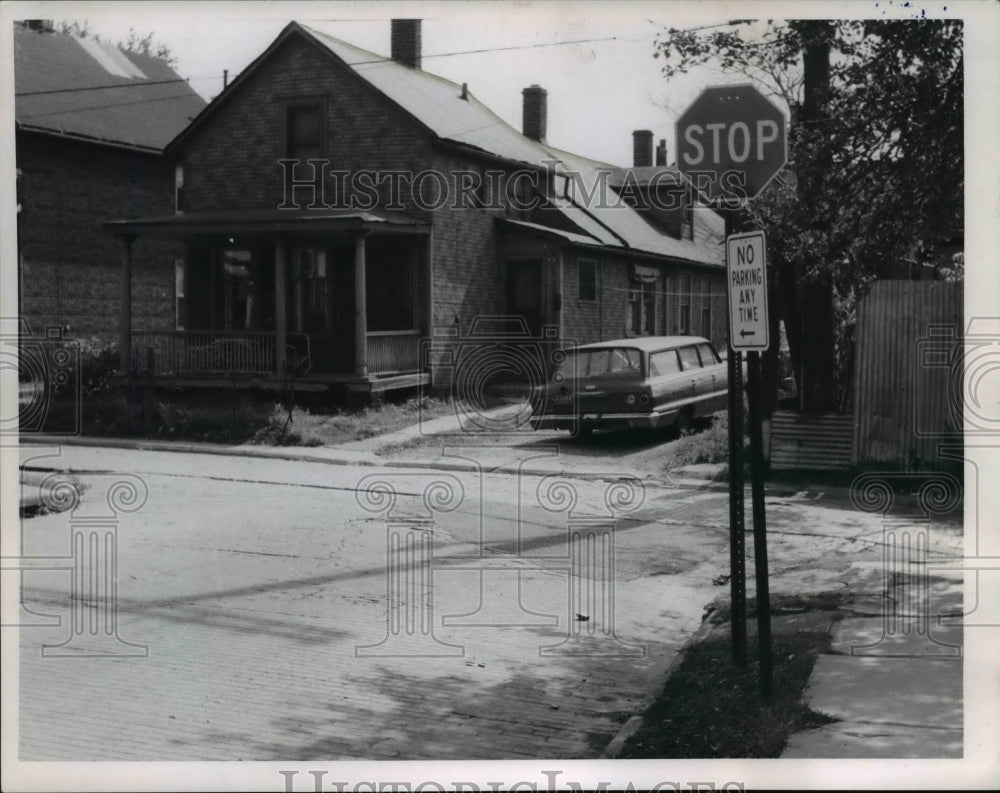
x=643 y=452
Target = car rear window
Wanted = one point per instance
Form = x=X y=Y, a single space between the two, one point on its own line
x=620 y=361
x=708 y=356
x=689 y=357
x=663 y=362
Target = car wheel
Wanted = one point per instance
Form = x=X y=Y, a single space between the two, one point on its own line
x=684 y=421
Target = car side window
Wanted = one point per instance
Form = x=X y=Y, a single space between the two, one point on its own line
x=597 y=362
x=625 y=360
x=708 y=356
x=664 y=362
x=689 y=357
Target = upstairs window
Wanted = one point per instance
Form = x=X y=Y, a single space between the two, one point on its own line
x=304 y=132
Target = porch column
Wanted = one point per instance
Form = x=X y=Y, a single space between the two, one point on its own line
x=360 y=309
x=125 y=320
x=280 y=308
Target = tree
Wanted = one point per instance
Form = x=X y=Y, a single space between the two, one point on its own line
x=875 y=171
x=134 y=42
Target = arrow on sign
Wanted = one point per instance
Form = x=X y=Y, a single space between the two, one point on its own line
x=745 y=333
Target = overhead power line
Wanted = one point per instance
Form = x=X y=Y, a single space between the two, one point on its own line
x=383 y=59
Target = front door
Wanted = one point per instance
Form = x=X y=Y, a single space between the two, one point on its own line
x=524 y=292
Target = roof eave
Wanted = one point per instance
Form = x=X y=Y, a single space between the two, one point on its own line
x=93 y=139
x=628 y=253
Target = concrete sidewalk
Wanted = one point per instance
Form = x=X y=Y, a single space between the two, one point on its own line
x=364 y=452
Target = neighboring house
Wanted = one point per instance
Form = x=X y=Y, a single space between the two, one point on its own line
x=413 y=213
x=91 y=124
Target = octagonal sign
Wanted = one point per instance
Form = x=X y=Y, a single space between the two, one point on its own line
x=731 y=142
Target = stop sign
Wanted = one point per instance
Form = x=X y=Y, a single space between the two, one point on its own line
x=731 y=142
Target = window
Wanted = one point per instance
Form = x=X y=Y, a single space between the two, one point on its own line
x=641 y=309
x=689 y=357
x=684 y=310
x=310 y=290
x=587 y=270
x=179 y=294
x=619 y=361
x=390 y=286
x=708 y=356
x=665 y=362
x=178 y=189
x=706 y=321
x=304 y=133
x=625 y=360
x=237 y=289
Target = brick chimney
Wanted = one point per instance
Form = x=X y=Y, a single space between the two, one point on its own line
x=642 y=148
x=534 y=112
x=661 y=152
x=405 y=42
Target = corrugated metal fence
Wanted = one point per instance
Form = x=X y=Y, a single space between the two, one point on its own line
x=907 y=336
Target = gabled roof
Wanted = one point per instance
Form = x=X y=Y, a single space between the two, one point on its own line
x=438 y=105
x=80 y=88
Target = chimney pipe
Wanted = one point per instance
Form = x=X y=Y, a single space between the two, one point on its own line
x=405 y=42
x=661 y=152
x=534 y=112
x=642 y=148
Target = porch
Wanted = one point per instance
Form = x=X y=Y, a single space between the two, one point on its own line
x=277 y=299
x=210 y=358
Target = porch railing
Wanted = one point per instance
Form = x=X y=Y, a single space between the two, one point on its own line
x=185 y=352
x=393 y=351
x=193 y=352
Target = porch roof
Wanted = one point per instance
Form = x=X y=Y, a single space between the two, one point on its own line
x=269 y=221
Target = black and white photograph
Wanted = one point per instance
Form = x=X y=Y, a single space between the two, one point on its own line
x=499 y=396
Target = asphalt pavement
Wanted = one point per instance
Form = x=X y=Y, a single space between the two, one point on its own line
x=893 y=679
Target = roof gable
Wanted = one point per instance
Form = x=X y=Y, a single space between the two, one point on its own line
x=454 y=115
x=89 y=90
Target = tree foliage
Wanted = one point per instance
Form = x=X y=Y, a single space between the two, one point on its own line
x=135 y=42
x=875 y=172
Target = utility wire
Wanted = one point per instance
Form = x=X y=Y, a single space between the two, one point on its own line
x=146 y=101
x=107 y=86
x=144 y=83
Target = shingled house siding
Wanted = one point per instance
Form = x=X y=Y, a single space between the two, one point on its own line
x=231 y=162
x=70 y=266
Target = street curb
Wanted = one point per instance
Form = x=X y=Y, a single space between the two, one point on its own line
x=353 y=458
x=636 y=722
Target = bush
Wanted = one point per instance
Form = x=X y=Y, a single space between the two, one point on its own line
x=709 y=446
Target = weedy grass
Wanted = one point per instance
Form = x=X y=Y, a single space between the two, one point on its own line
x=308 y=428
x=712 y=708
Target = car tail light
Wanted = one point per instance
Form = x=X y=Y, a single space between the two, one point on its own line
x=630 y=399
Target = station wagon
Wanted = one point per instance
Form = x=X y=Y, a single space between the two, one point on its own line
x=641 y=383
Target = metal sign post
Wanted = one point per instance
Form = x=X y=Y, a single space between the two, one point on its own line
x=731 y=142
x=746 y=276
x=759 y=526
x=737 y=530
